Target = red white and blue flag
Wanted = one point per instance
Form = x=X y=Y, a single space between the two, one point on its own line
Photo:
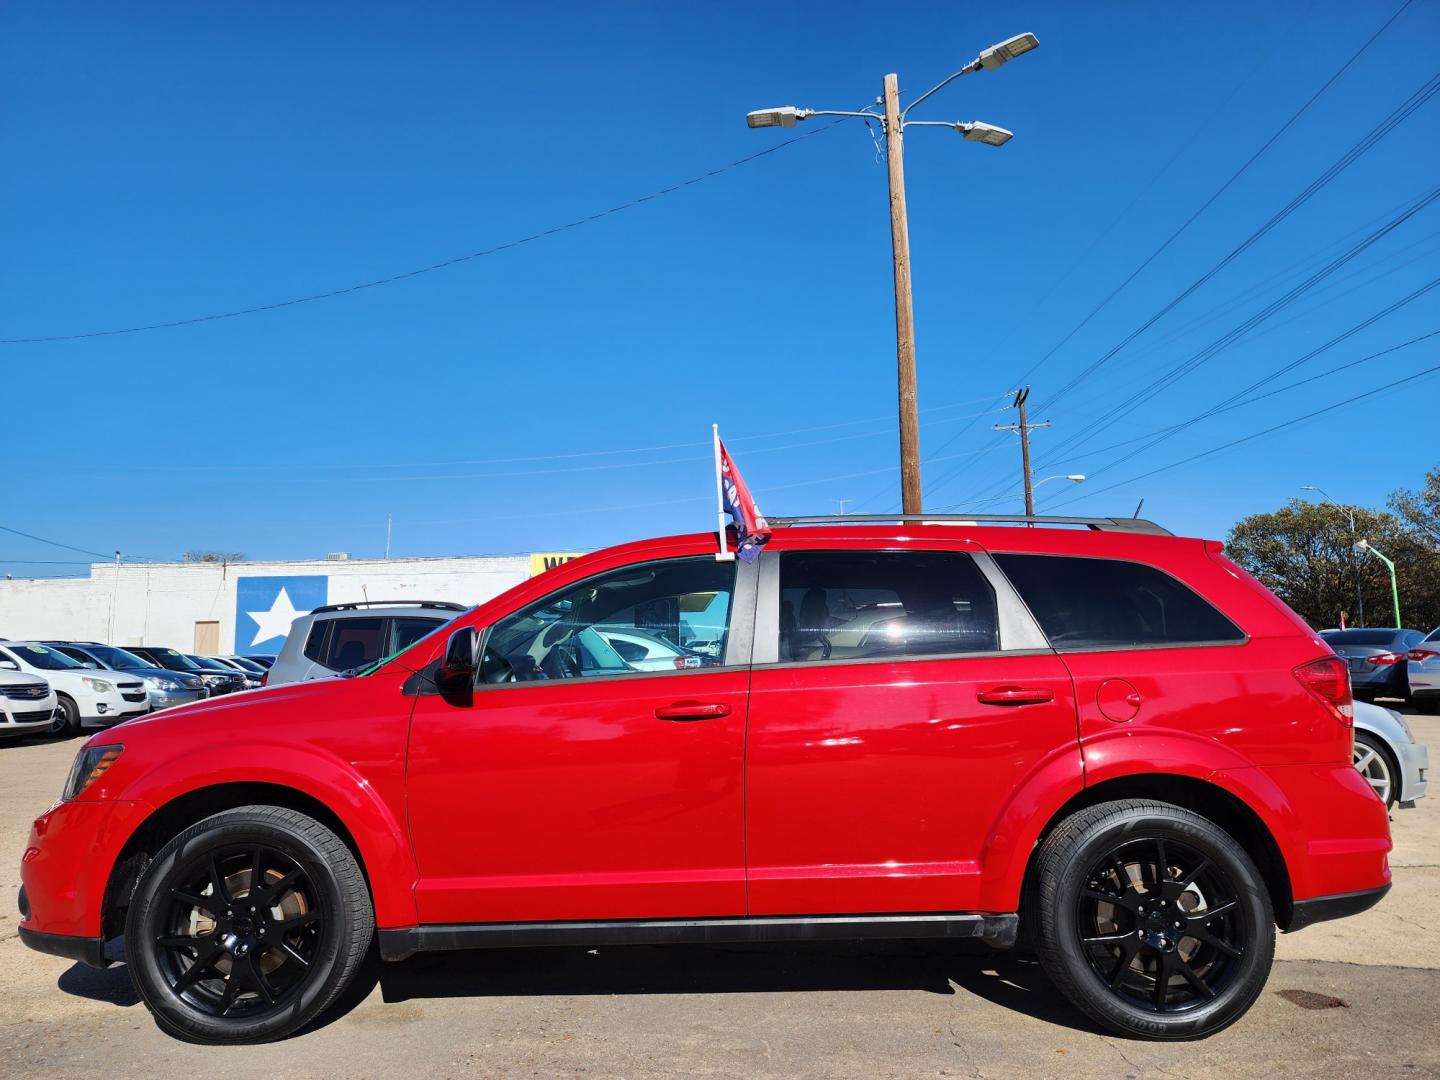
x=751 y=529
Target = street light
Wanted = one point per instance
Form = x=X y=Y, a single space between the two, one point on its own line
x=1074 y=478
x=995 y=55
x=1365 y=545
x=1354 y=568
x=893 y=124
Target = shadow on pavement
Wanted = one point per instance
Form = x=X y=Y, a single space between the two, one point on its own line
x=1011 y=981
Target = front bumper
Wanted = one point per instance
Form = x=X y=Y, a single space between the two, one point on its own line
x=15 y=722
x=66 y=865
x=1414 y=763
x=168 y=699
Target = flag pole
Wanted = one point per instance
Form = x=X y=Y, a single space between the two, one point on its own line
x=724 y=554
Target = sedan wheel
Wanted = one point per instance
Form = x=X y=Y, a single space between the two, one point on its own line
x=1373 y=762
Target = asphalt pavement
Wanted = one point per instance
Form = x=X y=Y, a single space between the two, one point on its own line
x=1356 y=998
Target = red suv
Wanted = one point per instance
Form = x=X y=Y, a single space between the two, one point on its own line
x=874 y=730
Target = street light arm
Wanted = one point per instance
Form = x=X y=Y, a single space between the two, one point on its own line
x=974 y=65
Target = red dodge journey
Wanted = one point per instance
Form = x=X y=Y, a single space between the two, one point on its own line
x=1106 y=735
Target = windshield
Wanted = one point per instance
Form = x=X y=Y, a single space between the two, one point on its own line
x=116 y=658
x=175 y=660
x=248 y=665
x=38 y=656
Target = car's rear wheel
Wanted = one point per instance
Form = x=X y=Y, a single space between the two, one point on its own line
x=247 y=926
x=1152 y=920
x=67 y=717
x=1373 y=760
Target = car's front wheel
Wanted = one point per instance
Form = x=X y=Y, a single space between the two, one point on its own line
x=247 y=926
x=66 y=721
x=1152 y=919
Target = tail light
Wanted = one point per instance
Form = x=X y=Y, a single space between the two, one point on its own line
x=265 y=678
x=1328 y=681
x=1385 y=658
x=1421 y=655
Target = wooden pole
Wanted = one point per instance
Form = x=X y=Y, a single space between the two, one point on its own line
x=904 y=302
x=1025 y=453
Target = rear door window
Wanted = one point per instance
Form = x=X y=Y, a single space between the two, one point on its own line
x=858 y=605
x=355 y=642
x=1085 y=603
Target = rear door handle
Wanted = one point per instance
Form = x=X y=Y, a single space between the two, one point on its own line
x=692 y=710
x=1016 y=695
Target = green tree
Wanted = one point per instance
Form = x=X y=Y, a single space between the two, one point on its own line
x=1421 y=509
x=1305 y=553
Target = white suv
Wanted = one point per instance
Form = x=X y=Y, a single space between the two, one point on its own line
x=86 y=697
x=342 y=637
x=27 y=704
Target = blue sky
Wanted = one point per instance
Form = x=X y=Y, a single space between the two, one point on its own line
x=172 y=161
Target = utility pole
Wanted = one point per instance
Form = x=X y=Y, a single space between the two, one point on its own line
x=904 y=301
x=389 y=519
x=1024 y=428
x=894 y=122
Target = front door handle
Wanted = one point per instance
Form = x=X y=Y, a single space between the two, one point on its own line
x=1016 y=695
x=692 y=710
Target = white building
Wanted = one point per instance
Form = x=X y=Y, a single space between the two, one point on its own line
x=217 y=608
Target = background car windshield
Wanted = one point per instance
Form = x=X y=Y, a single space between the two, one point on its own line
x=116 y=658
x=176 y=661
x=674 y=612
x=38 y=656
x=1359 y=637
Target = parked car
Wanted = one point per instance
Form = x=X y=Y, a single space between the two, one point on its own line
x=27 y=704
x=216 y=682
x=256 y=658
x=165 y=688
x=1388 y=756
x=84 y=697
x=342 y=637
x=1069 y=711
x=241 y=663
x=248 y=679
x=1422 y=671
x=1377 y=659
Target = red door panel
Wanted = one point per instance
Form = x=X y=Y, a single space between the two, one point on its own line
x=873 y=787
x=579 y=799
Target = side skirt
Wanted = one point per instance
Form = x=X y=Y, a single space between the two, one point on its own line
x=998 y=931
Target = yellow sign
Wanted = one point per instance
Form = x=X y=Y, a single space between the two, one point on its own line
x=540 y=561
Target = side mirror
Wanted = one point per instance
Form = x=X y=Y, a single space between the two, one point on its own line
x=458 y=666
x=92 y=665
x=9 y=665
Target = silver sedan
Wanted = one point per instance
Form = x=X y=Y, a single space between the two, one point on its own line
x=1388 y=756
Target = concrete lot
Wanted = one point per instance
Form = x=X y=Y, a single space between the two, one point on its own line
x=1353 y=998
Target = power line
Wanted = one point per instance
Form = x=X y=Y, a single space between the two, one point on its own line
x=433 y=267
x=1401 y=113
x=1216 y=195
x=1259 y=434
x=1230 y=337
x=55 y=543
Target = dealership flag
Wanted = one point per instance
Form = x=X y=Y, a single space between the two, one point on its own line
x=733 y=498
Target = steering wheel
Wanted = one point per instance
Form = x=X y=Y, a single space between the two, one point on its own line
x=561 y=662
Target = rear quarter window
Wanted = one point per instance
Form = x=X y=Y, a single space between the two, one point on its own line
x=1086 y=603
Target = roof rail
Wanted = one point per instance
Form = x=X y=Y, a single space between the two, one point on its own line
x=1102 y=524
x=355 y=605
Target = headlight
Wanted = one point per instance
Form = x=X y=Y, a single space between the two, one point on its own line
x=100 y=686
x=90 y=764
x=160 y=682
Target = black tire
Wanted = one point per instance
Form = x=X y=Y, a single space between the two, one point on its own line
x=67 y=718
x=196 y=949
x=1381 y=767
x=1211 y=915
x=1429 y=704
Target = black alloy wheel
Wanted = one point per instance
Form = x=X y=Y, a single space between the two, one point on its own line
x=247 y=926
x=1151 y=919
x=243 y=926
x=1161 y=924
